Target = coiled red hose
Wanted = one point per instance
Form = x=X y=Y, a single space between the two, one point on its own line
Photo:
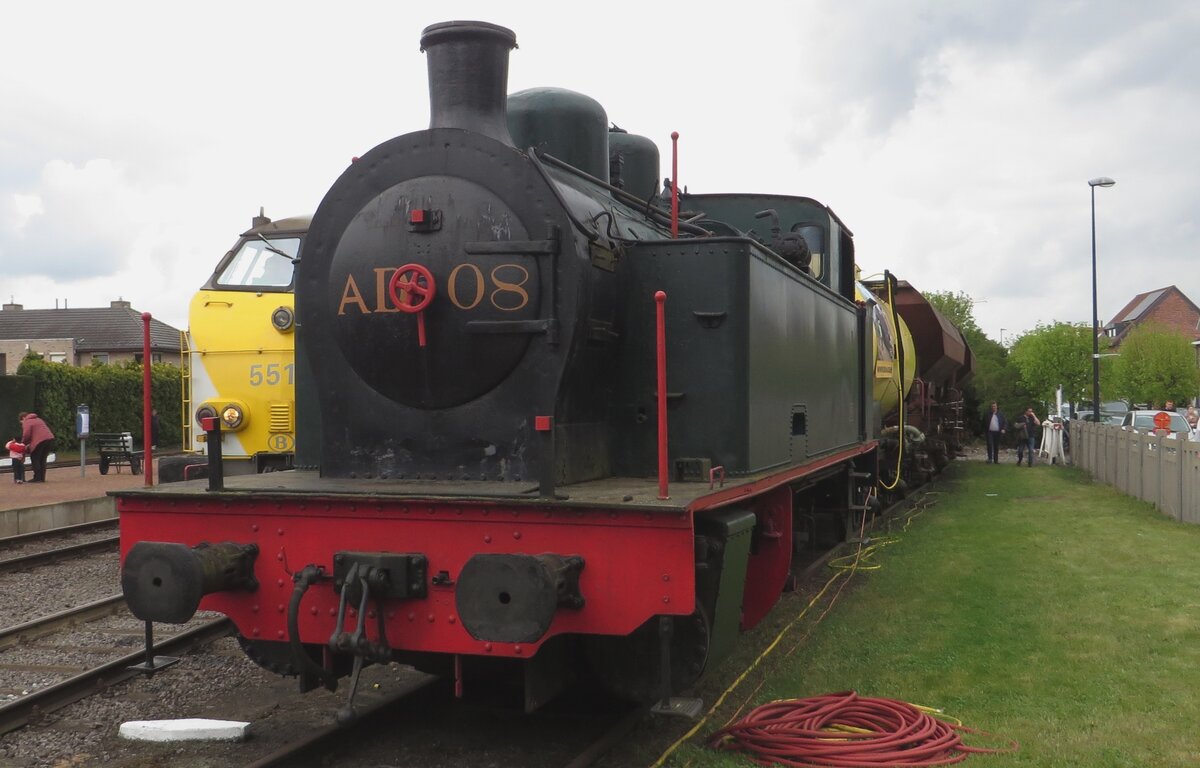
x=845 y=729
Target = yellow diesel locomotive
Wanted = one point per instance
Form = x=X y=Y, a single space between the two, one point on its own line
x=240 y=355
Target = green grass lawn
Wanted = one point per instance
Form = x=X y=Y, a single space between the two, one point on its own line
x=1030 y=603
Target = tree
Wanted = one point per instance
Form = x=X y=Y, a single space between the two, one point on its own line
x=1053 y=355
x=959 y=308
x=1156 y=364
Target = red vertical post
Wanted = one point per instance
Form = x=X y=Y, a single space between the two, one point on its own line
x=660 y=299
x=674 y=184
x=147 y=450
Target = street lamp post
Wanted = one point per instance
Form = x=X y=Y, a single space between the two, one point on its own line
x=1101 y=181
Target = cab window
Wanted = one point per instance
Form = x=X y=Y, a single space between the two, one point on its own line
x=261 y=264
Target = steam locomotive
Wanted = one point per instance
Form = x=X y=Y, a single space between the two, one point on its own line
x=545 y=422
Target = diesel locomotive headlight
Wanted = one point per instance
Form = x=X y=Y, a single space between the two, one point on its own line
x=232 y=416
x=205 y=411
x=283 y=319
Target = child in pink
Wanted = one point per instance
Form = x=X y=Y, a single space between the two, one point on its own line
x=16 y=451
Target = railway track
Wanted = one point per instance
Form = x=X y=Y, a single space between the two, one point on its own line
x=26 y=541
x=54 y=660
x=35 y=628
x=94 y=525
x=338 y=744
x=18 y=712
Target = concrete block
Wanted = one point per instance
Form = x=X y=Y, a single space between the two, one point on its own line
x=186 y=729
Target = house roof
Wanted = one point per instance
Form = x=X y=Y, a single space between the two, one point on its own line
x=95 y=329
x=1141 y=306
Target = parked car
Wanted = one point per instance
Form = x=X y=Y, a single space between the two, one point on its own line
x=1143 y=421
x=1105 y=417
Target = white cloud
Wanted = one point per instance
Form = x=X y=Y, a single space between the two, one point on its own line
x=954 y=140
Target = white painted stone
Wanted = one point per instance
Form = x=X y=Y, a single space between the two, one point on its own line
x=186 y=729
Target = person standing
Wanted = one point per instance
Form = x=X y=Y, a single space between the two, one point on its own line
x=994 y=427
x=1028 y=424
x=153 y=427
x=36 y=435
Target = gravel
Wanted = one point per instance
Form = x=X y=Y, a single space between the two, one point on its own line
x=54 y=541
x=46 y=589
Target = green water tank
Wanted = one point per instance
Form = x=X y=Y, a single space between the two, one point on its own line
x=568 y=125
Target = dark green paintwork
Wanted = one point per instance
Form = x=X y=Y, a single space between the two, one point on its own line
x=726 y=575
x=786 y=344
x=568 y=125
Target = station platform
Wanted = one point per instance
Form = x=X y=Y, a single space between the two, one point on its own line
x=66 y=498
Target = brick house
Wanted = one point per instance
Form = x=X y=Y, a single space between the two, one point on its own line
x=1168 y=307
x=80 y=337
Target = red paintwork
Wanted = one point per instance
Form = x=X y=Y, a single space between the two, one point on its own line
x=147 y=448
x=769 y=567
x=409 y=295
x=638 y=564
x=660 y=324
x=736 y=493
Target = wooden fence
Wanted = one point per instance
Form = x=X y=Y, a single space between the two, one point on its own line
x=1160 y=470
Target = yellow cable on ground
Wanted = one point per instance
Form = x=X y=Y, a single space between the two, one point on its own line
x=848 y=572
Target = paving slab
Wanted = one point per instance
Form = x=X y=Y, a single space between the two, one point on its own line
x=186 y=729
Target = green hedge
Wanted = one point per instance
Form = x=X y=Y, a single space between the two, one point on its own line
x=113 y=394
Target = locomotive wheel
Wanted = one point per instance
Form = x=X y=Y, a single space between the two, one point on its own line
x=628 y=667
x=273 y=656
x=276 y=656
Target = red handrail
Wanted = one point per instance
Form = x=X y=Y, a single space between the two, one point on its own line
x=147 y=448
x=660 y=299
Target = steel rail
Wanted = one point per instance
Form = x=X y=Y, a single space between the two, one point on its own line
x=22 y=538
x=607 y=740
x=17 y=713
x=80 y=614
x=321 y=741
x=50 y=555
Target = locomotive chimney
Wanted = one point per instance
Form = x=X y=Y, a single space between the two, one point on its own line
x=468 y=76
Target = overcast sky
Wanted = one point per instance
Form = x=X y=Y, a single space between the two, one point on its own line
x=954 y=138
